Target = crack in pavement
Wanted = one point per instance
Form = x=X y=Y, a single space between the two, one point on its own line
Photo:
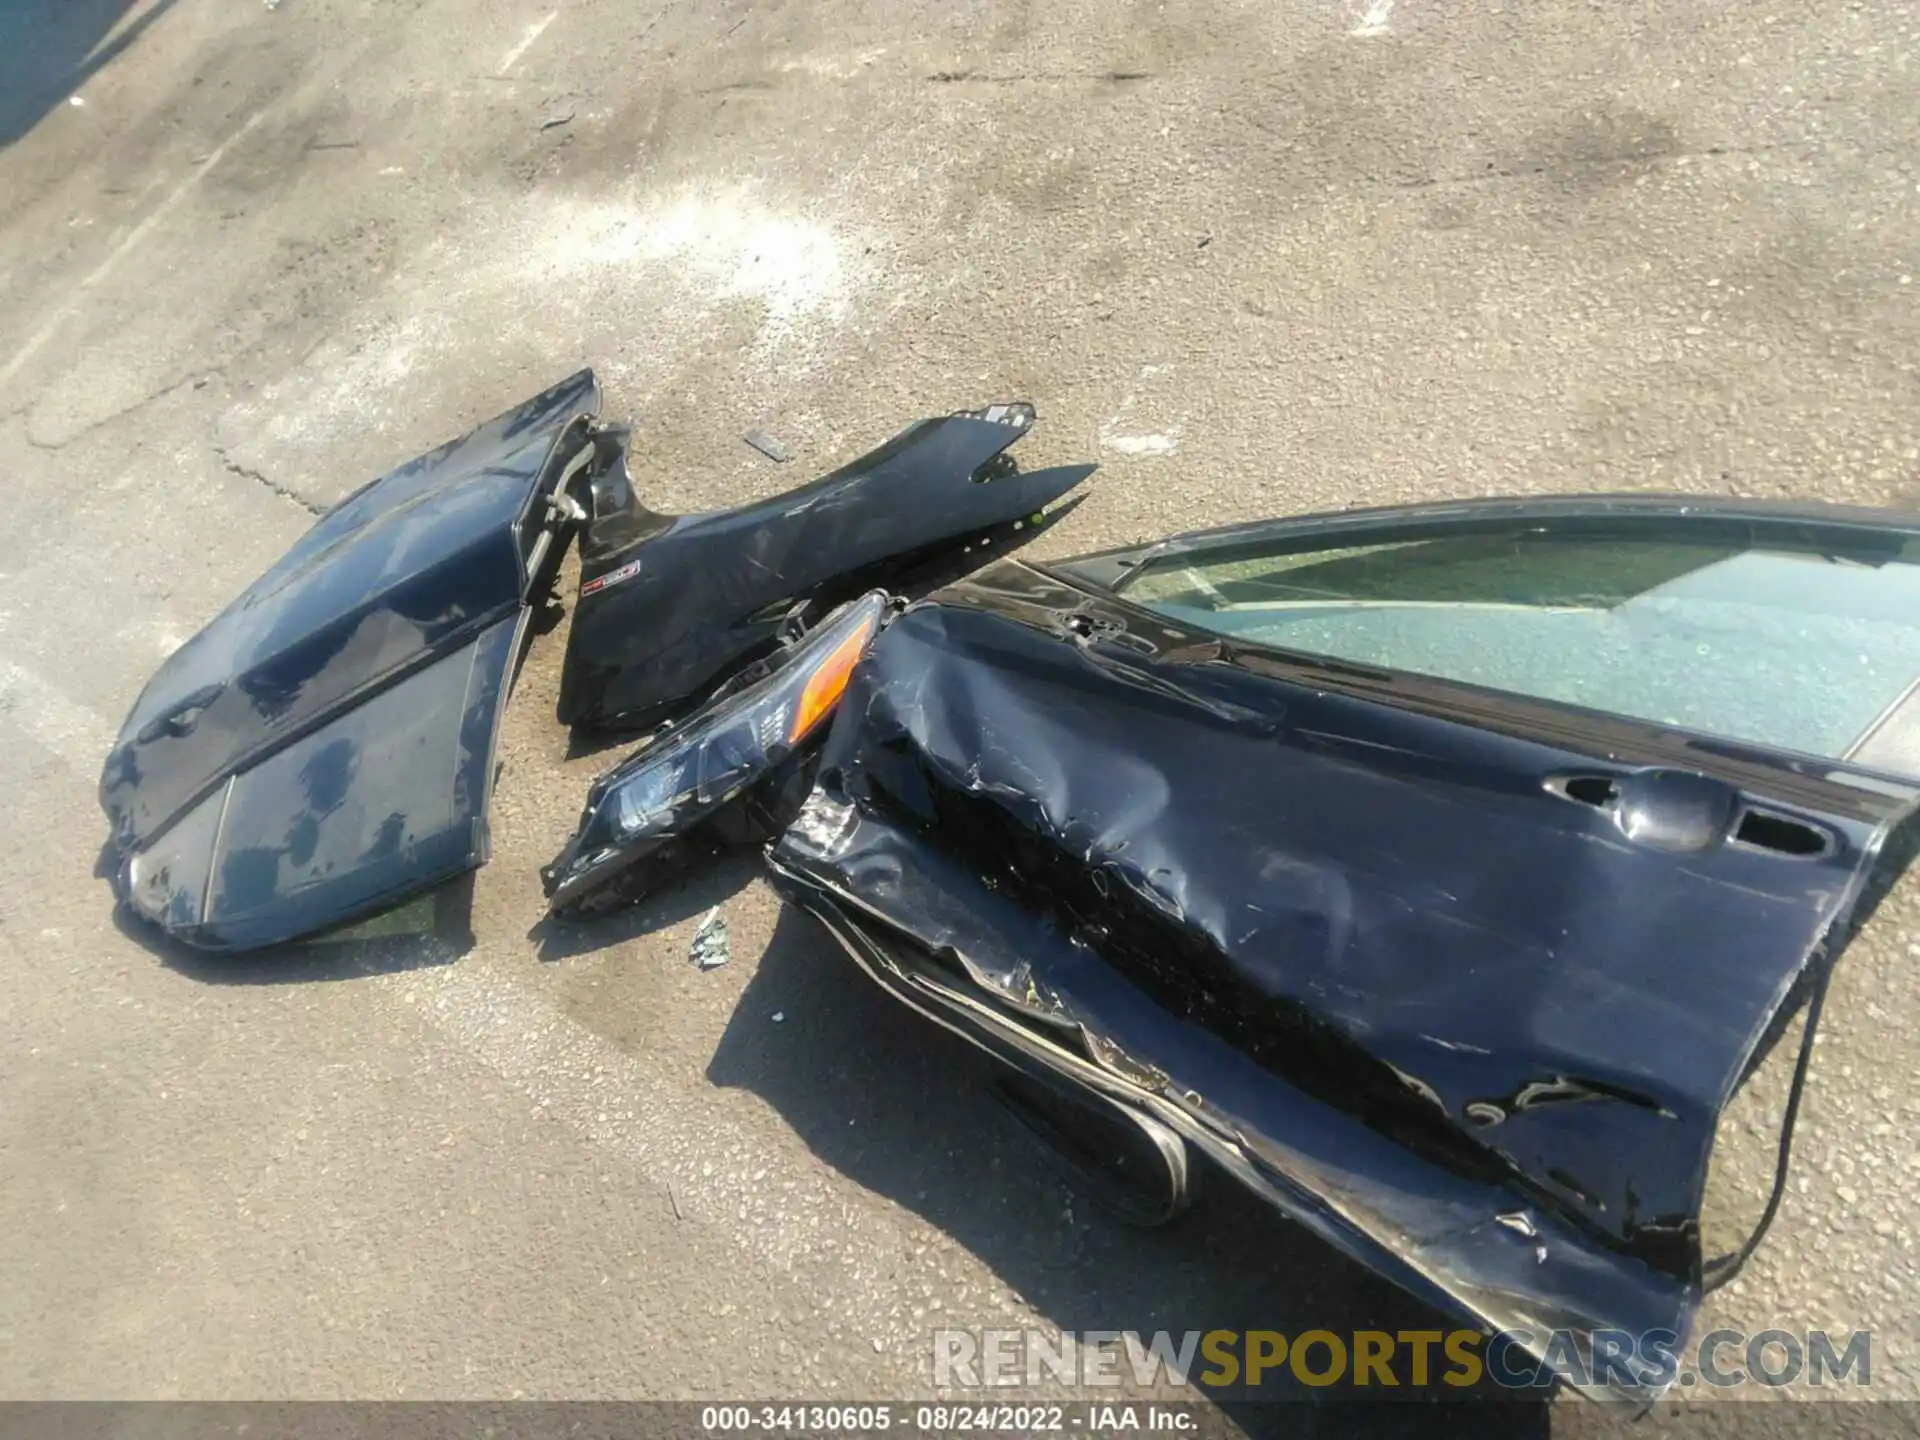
x=247 y=472
x=53 y=447
x=1034 y=77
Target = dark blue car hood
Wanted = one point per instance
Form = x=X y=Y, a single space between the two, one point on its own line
x=322 y=747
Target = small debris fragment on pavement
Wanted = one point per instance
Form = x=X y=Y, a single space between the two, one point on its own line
x=712 y=947
x=556 y=119
x=767 y=446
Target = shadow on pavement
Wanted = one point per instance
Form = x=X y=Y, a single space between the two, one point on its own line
x=49 y=49
x=904 y=1108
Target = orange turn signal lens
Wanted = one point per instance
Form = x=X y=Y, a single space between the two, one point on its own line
x=828 y=682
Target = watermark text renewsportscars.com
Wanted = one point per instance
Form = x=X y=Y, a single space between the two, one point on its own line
x=1377 y=1360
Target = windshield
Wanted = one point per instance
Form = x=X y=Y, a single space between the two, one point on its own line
x=1743 y=638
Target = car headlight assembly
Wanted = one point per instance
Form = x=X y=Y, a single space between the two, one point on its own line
x=716 y=778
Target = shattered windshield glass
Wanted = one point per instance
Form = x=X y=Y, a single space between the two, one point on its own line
x=1768 y=642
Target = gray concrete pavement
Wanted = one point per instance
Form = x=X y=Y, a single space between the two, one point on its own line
x=1252 y=255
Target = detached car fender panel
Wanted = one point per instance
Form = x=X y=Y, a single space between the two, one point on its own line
x=669 y=605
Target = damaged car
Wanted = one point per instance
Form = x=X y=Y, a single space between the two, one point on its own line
x=1439 y=872
x=324 y=749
